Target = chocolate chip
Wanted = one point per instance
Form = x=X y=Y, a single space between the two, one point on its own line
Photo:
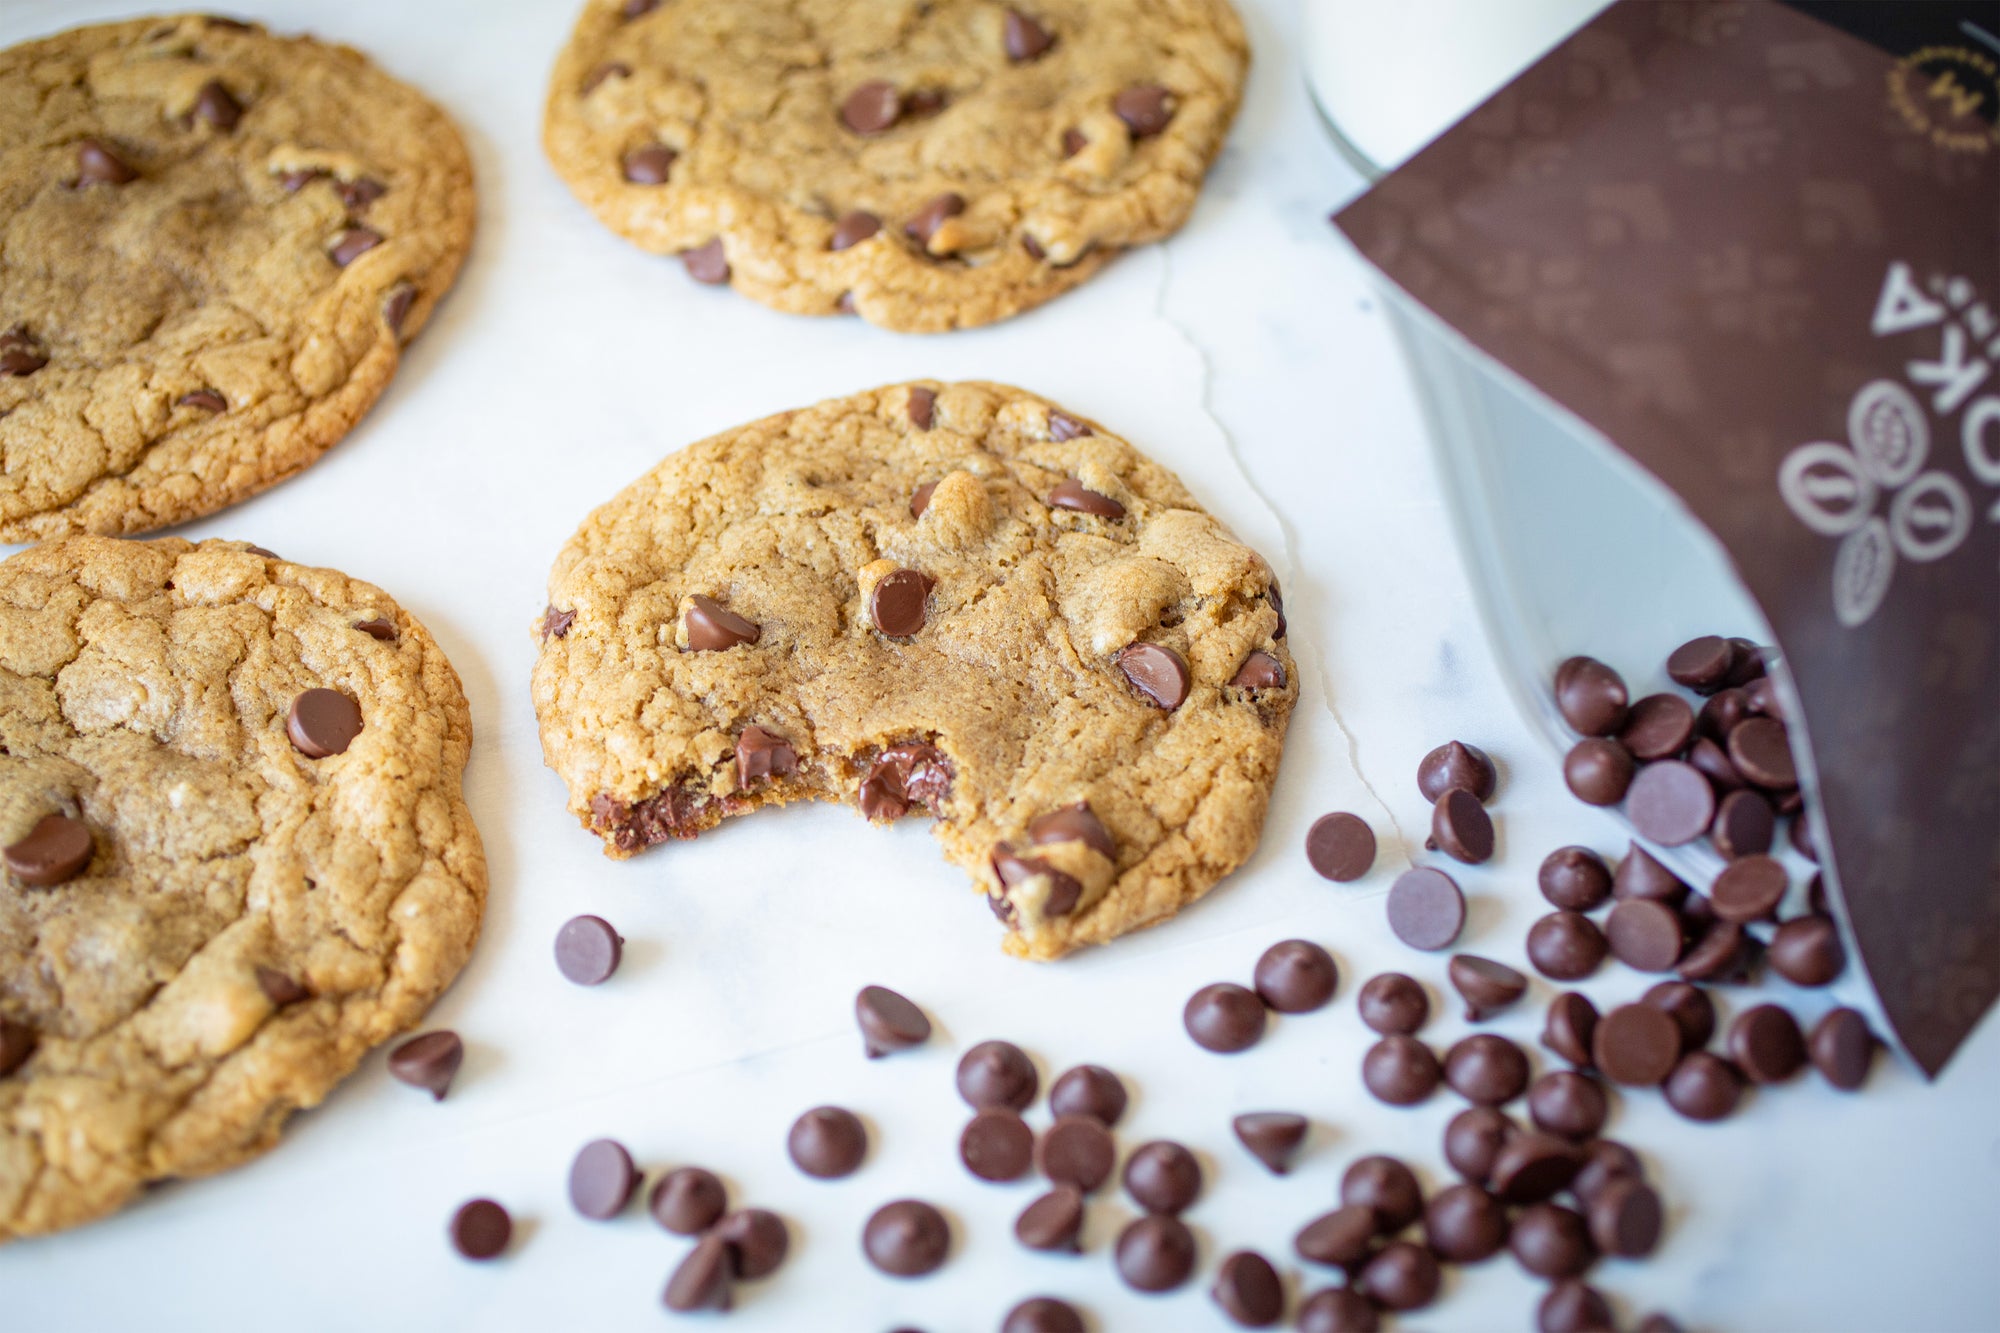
x=1338 y=1310
x=380 y=629
x=610 y=69
x=1426 y=909
x=632 y=9
x=1670 y=802
x=1456 y=764
x=1224 y=1017
x=280 y=988
x=588 y=950
x=1806 y=950
x=1077 y=1150
x=1070 y=493
x=1090 y=1090
x=1744 y=825
x=851 y=229
x=20 y=354
x=997 y=1145
x=322 y=723
x=428 y=1060
x=1487 y=986
x=1260 y=671
x=1400 y=1070
x=1566 y=946
x=1641 y=876
x=98 y=164
x=1532 y=1166
x=602 y=1179
x=1749 y=889
x=1073 y=142
x=1052 y=1222
x=1765 y=1043
x=924 y=223
x=1042 y=1314
x=1023 y=38
x=1461 y=828
x=1841 y=1047
x=1761 y=752
x=997 y=1073
x=701 y=1280
x=1645 y=935
x=707 y=263
x=1340 y=846
x=1568 y=1027
x=1296 y=977
x=1343 y=1238
x=1403 y=1276
x=757 y=1239
x=907 y=1238
x=648 y=165
x=1249 y=1290
x=1465 y=1224
x=1145 y=108
x=1156 y=671
x=1690 y=1008
x=55 y=851
x=1550 y=1240
x=1568 y=1104
x=357 y=194
x=1598 y=771
x=888 y=1021
x=1604 y=1160
x=915 y=773
x=1063 y=426
x=291 y=182
x=1486 y=1070
x=761 y=754
x=1721 y=715
x=1626 y=1218
x=1155 y=1253
x=1708 y=757
x=1591 y=696
x=687 y=1200
x=920 y=499
x=1702 y=664
x=1162 y=1177
x=1659 y=726
x=711 y=626
x=1636 y=1045
x=1473 y=1140
x=1272 y=1137
x=1761 y=697
x=897 y=606
x=827 y=1142
x=1392 y=1004
x=872 y=107
x=1575 y=878
x=1386 y=1185
x=925 y=102
x=1703 y=1086
x=17 y=1043
x=481 y=1229
x=1724 y=953
x=1572 y=1306
x=351 y=244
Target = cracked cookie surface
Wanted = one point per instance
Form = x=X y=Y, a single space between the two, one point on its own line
x=213 y=244
x=202 y=928
x=952 y=598
x=927 y=164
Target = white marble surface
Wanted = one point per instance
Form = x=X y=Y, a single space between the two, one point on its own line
x=1248 y=355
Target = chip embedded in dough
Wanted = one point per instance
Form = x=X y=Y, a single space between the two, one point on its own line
x=216 y=242
x=952 y=598
x=202 y=926
x=926 y=164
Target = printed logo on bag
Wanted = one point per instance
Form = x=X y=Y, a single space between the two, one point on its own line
x=1950 y=95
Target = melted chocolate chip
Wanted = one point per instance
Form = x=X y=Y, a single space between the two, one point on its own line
x=707 y=263
x=897 y=605
x=280 y=988
x=556 y=623
x=1023 y=38
x=924 y=223
x=54 y=851
x=351 y=244
x=872 y=107
x=1070 y=493
x=322 y=723
x=1156 y=671
x=216 y=107
x=648 y=165
x=712 y=627
x=98 y=164
x=761 y=754
x=1260 y=671
x=1145 y=108
x=851 y=229
x=904 y=775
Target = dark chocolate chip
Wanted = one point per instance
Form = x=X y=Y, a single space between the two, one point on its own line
x=1465 y=1224
x=761 y=754
x=897 y=606
x=1486 y=1069
x=17 y=1043
x=280 y=988
x=649 y=165
x=1645 y=935
x=1721 y=714
x=1640 y=875
x=1340 y=846
x=1162 y=1177
x=1272 y=1137
x=1224 y=1017
x=1260 y=671
x=1575 y=878
x=1841 y=1047
x=602 y=1179
x=711 y=626
x=1393 y=1004
x=851 y=229
x=1598 y=771
x=1386 y=1185
x=1052 y=1222
x=1090 y=1090
x=1690 y=1008
x=1069 y=493
x=1714 y=765
x=588 y=950
x=555 y=624
x=1766 y=1044
x=1338 y=1310
x=428 y=1060
x=1626 y=1218
x=1456 y=764
x=380 y=629
x=907 y=1238
x=916 y=773
x=1343 y=1238
x=827 y=1142
x=1723 y=954
x=1569 y=1026
x=1659 y=726
x=758 y=1241
x=1156 y=671
x=1073 y=142
x=1295 y=976
x=481 y=1229
x=872 y=107
x=1473 y=1140
x=1402 y=1276
x=1744 y=825
x=707 y=263
x=1749 y=889
x=1703 y=1086
x=1145 y=108
x=1023 y=38
x=1604 y=1160
x=1762 y=753
x=1426 y=909
x=1155 y=1253
x=351 y=244
x=997 y=1145
x=920 y=499
x=924 y=223
x=1636 y=1045
x=357 y=194
x=1568 y=1104
x=1670 y=802
x=1077 y=1150
x=1042 y=1314
x=1461 y=828
x=997 y=1073
x=1278 y=605
x=1806 y=950
x=54 y=851
x=922 y=406
x=925 y=102
x=1572 y=1306
x=20 y=354
x=98 y=164
x=1249 y=1290
x=1487 y=986
x=1400 y=1070
x=1702 y=664
x=1591 y=696
x=632 y=9
x=687 y=1200
x=1566 y=946
x=1550 y=1240
x=888 y=1021
x=322 y=723
x=1063 y=426
x=1532 y=1166
x=701 y=1280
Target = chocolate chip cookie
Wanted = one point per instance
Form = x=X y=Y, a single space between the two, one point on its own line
x=953 y=599
x=235 y=856
x=926 y=164
x=214 y=243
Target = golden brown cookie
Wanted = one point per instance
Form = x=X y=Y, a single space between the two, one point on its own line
x=233 y=856
x=927 y=164
x=213 y=244
x=953 y=598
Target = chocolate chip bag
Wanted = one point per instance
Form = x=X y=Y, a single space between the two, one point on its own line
x=1759 y=253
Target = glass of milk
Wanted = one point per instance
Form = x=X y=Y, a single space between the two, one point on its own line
x=1391 y=75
